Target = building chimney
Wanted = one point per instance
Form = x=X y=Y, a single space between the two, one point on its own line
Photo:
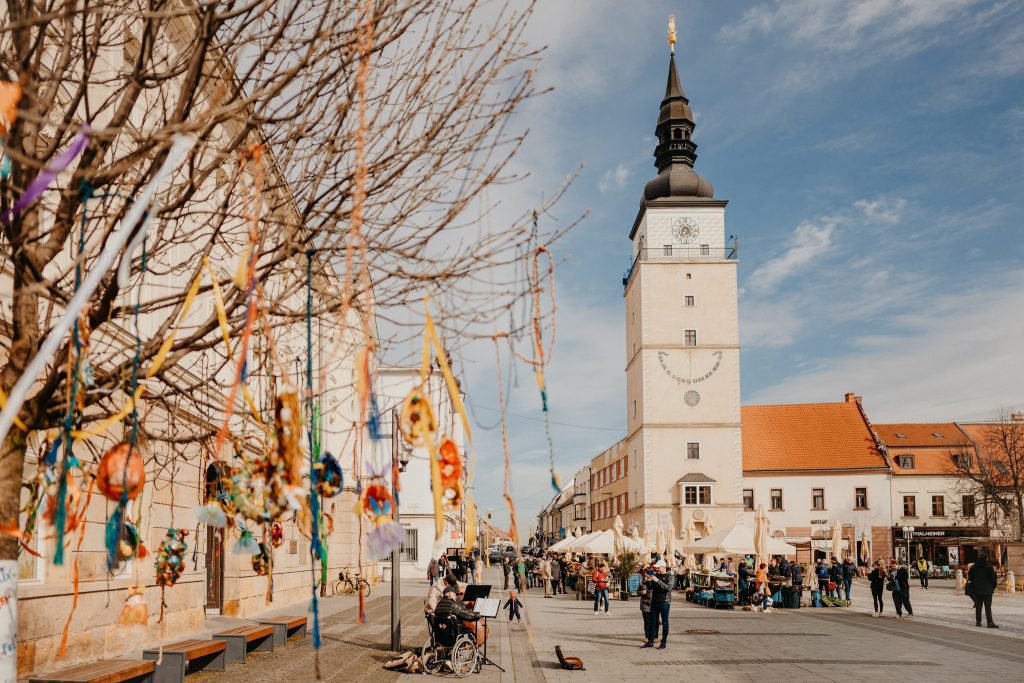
x=852 y=397
x=1017 y=417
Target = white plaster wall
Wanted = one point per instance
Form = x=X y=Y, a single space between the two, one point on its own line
x=839 y=500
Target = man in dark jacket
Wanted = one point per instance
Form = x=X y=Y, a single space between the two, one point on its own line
x=900 y=575
x=556 y=575
x=982 y=578
x=744 y=577
x=849 y=571
x=797 y=574
x=660 y=584
x=506 y=568
x=836 y=577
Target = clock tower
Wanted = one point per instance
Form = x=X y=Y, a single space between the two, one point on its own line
x=682 y=340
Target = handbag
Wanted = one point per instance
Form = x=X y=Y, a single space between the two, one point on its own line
x=831 y=585
x=969 y=589
x=890 y=585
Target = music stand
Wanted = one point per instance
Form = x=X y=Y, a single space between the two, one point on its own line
x=487 y=608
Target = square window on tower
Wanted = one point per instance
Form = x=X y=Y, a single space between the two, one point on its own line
x=705 y=250
x=688 y=301
x=690 y=338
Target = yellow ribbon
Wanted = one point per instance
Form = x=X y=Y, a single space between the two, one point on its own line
x=165 y=348
x=17 y=420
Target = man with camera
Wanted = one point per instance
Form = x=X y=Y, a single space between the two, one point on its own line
x=659 y=580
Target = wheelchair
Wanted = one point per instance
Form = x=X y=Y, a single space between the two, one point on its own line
x=450 y=645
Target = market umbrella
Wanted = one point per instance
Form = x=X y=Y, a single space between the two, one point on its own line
x=617 y=530
x=739 y=540
x=709 y=562
x=837 y=540
x=647 y=541
x=865 y=552
x=760 y=536
x=670 y=549
x=691 y=531
x=709 y=526
x=659 y=541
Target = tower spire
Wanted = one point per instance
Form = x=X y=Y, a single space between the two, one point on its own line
x=676 y=151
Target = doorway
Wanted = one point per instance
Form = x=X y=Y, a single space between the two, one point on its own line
x=216 y=486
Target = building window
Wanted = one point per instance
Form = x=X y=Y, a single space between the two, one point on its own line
x=634 y=407
x=748 y=499
x=693 y=451
x=906 y=462
x=705 y=250
x=697 y=495
x=666 y=250
x=967 y=506
x=691 y=338
x=688 y=300
x=776 y=499
x=909 y=506
x=410 y=546
x=689 y=276
x=938 y=506
x=962 y=460
x=860 y=498
x=817 y=499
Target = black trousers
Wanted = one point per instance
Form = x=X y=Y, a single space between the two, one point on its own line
x=924 y=578
x=876 y=598
x=986 y=602
x=506 y=580
x=901 y=599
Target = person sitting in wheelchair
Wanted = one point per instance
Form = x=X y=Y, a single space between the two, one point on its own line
x=450 y=603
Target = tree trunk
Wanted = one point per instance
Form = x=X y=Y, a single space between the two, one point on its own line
x=11 y=464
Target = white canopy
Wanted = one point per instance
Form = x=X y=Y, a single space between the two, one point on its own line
x=561 y=545
x=599 y=542
x=578 y=545
x=738 y=540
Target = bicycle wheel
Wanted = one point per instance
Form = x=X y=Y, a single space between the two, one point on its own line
x=432 y=664
x=342 y=587
x=364 y=587
x=463 y=657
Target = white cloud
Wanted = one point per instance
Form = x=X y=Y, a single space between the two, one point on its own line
x=886 y=210
x=958 y=358
x=769 y=324
x=809 y=241
x=615 y=178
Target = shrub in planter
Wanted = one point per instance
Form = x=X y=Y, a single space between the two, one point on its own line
x=625 y=565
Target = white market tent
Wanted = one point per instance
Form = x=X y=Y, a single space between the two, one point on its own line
x=561 y=546
x=738 y=540
x=599 y=542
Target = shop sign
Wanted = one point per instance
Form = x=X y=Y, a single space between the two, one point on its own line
x=942 y=533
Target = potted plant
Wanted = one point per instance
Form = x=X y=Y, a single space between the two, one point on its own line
x=625 y=565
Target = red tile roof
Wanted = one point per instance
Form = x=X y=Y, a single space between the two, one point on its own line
x=923 y=435
x=811 y=436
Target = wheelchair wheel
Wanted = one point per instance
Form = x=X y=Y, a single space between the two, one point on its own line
x=464 y=655
x=432 y=663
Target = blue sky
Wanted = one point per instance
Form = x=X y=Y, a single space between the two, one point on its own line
x=872 y=153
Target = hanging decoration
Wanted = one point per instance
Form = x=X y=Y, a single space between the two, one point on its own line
x=121 y=473
x=378 y=505
x=451 y=473
x=170 y=557
x=276 y=534
x=416 y=421
x=513 y=528
x=261 y=560
x=329 y=477
x=135 y=611
x=246 y=544
x=211 y=514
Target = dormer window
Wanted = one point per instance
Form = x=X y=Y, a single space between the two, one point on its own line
x=962 y=461
x=937 y=435
x=900 y=436
x=906 y=462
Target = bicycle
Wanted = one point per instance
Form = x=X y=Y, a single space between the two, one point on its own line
x=348 y=582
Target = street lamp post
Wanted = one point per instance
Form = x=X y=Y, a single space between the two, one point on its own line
x=908 y=534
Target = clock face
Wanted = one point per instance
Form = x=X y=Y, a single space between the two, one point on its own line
x=685 y=230
x=691 y=398
x=694 y=368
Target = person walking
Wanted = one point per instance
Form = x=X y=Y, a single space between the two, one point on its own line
x=555 y=571
x=877 y=579
x=646 y=594
x=432 y=572
x=544 y=566
x=822 y=572
x=506 y=569
x=899 y=577
x=849 y=571
x=600 y=579
x=982 y=579
x=835 y=578
x=660 y=584
x=796 y=573
x=922 y=572
x=520 y=574
x=744 y=581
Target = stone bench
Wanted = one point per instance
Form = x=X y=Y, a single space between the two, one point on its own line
x=107 y=671
x=177 y=659
x=285 y=627
x=245 y=638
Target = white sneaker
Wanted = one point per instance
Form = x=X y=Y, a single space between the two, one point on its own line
x=596 y=613
x=769 y=609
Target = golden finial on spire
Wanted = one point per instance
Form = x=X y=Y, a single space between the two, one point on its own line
x=672 y=33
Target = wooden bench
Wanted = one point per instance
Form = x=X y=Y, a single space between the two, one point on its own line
x=107 y=671
x=240 y=639
x=177 y=659
x=285 y=627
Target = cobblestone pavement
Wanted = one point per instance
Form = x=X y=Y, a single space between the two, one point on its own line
x=704 y=644
x=943 y=604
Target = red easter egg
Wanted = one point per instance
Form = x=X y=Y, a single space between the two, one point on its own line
x=121 y=471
